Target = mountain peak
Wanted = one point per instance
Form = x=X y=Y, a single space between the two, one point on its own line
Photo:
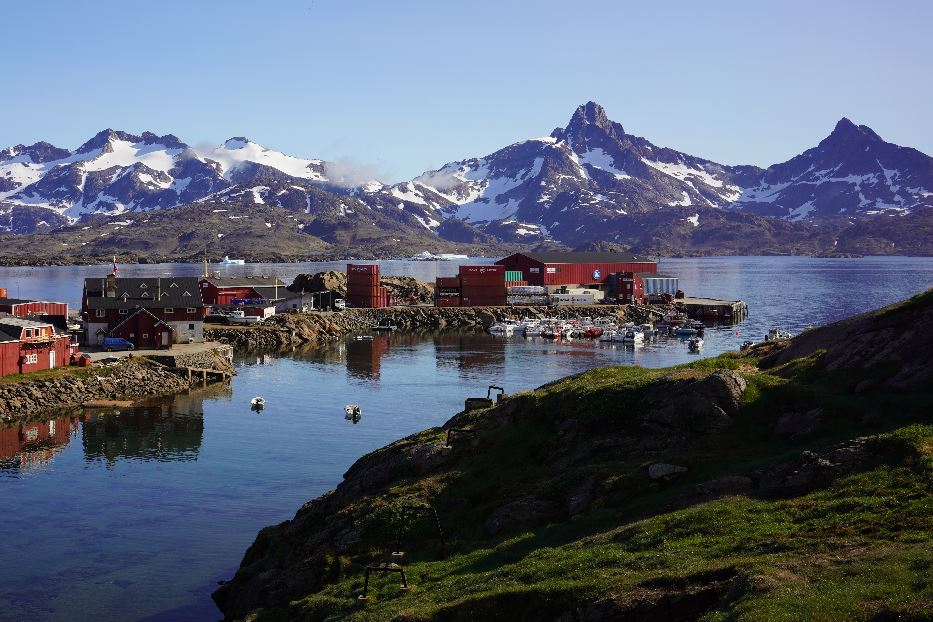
x=588 y=115
x=237 y=142
x=104 y=137
x=846 y=131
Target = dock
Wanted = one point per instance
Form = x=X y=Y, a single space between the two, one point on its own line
x=713 y=309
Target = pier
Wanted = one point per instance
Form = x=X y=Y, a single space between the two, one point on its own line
x=713 y=309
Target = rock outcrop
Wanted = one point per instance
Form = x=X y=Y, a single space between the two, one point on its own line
x=131 y=380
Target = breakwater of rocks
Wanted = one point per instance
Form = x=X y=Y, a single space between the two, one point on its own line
x=131 y=380
x=296 y=329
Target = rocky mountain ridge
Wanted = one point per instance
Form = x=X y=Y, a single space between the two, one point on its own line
x=584 y=182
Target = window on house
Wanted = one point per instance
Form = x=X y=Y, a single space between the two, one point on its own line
x=27 y=332
x=132 y=335
x=190 y=326
x=99 y=313
x=124 y=311
x=145 y=335
x=169 y=310
x=32 y=359
x=192 y=310
x=205 y=284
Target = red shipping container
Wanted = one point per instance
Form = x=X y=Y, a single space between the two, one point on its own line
x=363 y=279
x=482 y=270
x=362 y=292
x=447 y=281
x=483 y=289
x=359 y=268
x=447 y=302
x=492 y=279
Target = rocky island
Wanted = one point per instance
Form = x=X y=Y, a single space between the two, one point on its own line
x=791 y=481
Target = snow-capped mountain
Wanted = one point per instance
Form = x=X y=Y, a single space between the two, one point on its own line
x=117 y=172
x=591 y=180
x=587 y=181
x=851 y=172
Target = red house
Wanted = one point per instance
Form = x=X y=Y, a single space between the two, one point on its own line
x=26 y=345
x=153 y=312
x=583 y=269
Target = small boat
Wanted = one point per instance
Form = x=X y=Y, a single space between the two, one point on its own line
x=506 y=327
x=608 y=336
x=694 y=344
x=684 y=331
x=363 y=338
x=777 y=334
x=258 y=402
x=226 y=261
x=747 y=344
x=353 y=413
x=593 y=332
x=551 y=332
x=238 y=317
x=633 y=337
x=384 y=327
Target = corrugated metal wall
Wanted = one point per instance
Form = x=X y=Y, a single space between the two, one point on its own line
x=661 y=285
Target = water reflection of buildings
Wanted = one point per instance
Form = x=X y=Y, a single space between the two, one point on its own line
x=170 y=430
x=33 y=444
x=364 y=357
x=471 y=355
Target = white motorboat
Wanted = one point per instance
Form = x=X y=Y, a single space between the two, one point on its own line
x=353 y=413
x=777 y=334
x=608 y=336
x=227 y=261
x=258 y=402
x=633 y=337
x=695 y=344
x=506 y=327
x=238 y=317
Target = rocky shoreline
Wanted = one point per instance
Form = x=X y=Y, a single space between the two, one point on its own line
x=132 y=380
x=298 y=329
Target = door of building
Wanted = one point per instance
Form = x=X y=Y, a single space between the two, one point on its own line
x=51 y=359
x=164 y=338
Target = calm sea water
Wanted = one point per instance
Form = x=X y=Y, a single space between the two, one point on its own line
x=137 y=515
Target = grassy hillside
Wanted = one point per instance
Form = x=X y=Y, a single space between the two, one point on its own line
x=749 y=487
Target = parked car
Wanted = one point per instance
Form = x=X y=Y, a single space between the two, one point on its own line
x=340 y=304
x=117 y=343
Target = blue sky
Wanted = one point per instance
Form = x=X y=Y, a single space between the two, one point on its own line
x=404 y=86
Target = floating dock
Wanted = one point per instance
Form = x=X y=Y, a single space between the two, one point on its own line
x=713 y=309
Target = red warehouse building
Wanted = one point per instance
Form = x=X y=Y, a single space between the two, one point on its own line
x=27 y=345
x=224 y=290
x=555 y=269
x=23 y=308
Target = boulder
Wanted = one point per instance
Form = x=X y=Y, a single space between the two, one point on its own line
x=661 y=470
x=795 y=425
x=522 y=512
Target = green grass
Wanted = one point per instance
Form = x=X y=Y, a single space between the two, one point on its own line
x=846 y=552
x=860 y=546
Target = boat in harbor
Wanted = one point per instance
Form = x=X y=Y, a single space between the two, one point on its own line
x=633 y=337
x=685 y=331
x=227 y=261
x=776 y=333
x=505 y=327
x=695 y=344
